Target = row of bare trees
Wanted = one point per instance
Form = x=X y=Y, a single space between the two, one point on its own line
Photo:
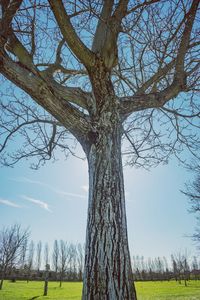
x=181 y=268
x=21 y=258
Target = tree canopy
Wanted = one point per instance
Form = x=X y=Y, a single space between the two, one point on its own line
x=151 y=50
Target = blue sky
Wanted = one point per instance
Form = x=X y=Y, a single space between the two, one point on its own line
x=53 y=202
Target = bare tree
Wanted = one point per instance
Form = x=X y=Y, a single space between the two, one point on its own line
x=80 y=260
x=46 y=254
x=181 y=268
x=175 y=268
x=167 y=272
x=159 y=265
x=47 y=268
x=55 y=257
x=30 y=260
x=195 y=268
x=186 y=270
x=23 y=254
x=46 y=279
x=106 y=72
x=150 y=269
x=72 y=255
x=63 y=260
x=11 y=246
x=192 y=191
x=38 y=255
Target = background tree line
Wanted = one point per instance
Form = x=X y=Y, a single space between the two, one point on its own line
x=180 y=268
x=23 y=259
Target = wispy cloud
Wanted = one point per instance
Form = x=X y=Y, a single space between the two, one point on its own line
x=53 y=189
x=27 y=180
x=40 y=203
x=70 y=194
x=9 y=203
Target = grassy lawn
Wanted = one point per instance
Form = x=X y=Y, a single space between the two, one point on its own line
x=145 y=291
x=168 y=290
x=22 y=290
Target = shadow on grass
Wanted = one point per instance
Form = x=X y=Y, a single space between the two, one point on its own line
x=34 y=298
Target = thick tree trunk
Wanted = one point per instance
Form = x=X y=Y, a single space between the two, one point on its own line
x=107 y=273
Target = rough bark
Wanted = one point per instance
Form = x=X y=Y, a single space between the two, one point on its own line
x=108 y=273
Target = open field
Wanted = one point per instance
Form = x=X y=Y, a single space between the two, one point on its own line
x=72 y=291
x=168 y=290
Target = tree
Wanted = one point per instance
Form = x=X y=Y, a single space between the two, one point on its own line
x=181 y=267
x=80 y=261
x=176 y=268
x=47 y=268
x=72 y=256
x=38 y=255
x=55 y=256
x=23 y=254
x=159 y=267
x=12 y=241
x=192 y=191
x=63 y=259
x=30 y=259
x=195 y=268
x=46 y=279
x=105 y=72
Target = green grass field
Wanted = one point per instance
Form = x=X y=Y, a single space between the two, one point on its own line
x=145 y=290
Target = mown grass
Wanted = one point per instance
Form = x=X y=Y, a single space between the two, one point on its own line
x=168 y=290
x=21 y=290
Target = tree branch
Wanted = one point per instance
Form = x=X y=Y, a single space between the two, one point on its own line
x=107 y=31
x=26 y=123
x=8 y=10
x=71 y=94
x=156 y=77
x=141 y=5
x=140 y=100
x=184 y=44
x=86 y=56
x=175 y=112
x=75 y=95
x=145 y=101
x=15 y=47
x=105 y=38
x=120 y=10
x=102 y=26
x=45 y=95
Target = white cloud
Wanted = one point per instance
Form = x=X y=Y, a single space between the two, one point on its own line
x=55 y=190
x=40 y=203
x=9 y=203
x=70 y=194
x=24 y=179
